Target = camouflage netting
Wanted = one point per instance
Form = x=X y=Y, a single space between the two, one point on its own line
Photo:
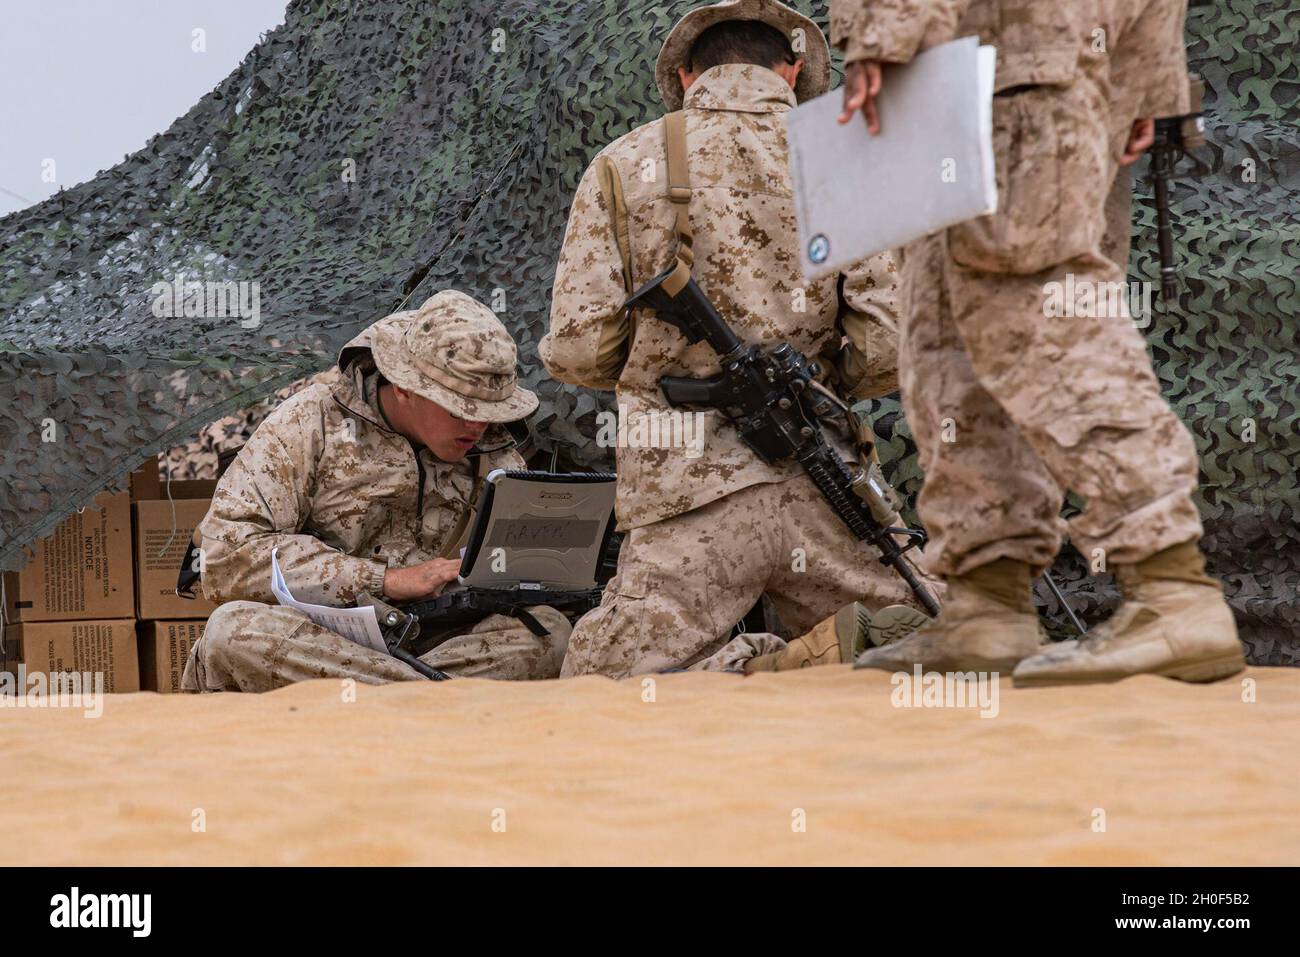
x=466 y=127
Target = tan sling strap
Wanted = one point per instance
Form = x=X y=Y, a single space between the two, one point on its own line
x=679 y=194
x=451 y=548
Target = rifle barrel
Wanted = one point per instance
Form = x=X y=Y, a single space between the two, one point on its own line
x=1165 y=234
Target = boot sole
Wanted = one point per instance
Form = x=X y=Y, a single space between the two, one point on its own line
x=884 y=629
x=852 y=630
x=1211 y=669
x=1198 y=672
x=859 y=630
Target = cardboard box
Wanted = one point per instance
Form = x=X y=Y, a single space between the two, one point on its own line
x=164 y=648
x=186 y=489
x=162 y=534
x=81 y=572
x=53 y=647
x=145 y=483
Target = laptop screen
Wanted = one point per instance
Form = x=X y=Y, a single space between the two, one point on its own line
x=540 y=529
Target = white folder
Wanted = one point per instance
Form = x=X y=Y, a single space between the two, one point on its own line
x=930 y=167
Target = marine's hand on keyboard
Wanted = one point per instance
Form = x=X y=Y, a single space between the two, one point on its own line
x=425 y=580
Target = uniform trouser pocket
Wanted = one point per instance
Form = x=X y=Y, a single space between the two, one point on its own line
x=1136 y=471
x=1050 y=152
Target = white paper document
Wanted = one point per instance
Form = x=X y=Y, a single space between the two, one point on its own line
x=930 y=167
x=358 y=624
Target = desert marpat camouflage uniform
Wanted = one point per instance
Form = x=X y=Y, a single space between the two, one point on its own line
x=708 y=535
x=746 y=259
x=683 y=583
x=200 y=458
x=1009 y=407
x=342 y=497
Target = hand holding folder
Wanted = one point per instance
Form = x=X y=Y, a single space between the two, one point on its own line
x=930 y=167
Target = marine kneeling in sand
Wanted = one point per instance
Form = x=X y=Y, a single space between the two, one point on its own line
x=712 y=527
x=363 y=483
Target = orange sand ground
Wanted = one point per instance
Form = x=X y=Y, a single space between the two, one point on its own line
x=712 y=771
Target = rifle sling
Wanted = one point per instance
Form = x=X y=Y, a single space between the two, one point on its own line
x=679 y=194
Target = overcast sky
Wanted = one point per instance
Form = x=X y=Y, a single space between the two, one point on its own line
x=85 y=82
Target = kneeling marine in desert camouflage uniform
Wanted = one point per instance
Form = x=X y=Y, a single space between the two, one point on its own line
x=364 y=483
x=712 y=528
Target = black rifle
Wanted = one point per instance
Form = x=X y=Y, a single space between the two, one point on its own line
x=1176 y=137
x=773 y=400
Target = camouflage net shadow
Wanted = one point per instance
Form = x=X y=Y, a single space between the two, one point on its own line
x=367 y=153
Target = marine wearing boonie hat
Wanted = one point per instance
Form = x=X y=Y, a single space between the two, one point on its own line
x=454 y=351
x=814 y=80
x=364 y=484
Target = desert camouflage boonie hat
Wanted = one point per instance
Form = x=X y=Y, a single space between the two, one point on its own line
x=814 y=79
x=454 y=351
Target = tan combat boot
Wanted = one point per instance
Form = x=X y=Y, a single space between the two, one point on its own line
x=988 y=623
x=1173 y=622
x=840 y=638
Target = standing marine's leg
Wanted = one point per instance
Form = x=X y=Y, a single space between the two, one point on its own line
x=1094 y=413
x=991 y=507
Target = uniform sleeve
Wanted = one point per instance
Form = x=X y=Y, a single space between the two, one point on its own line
x=261 y=504
x=1150 y=62
x=587 y=341
x=867 y=366
x=892 y=31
